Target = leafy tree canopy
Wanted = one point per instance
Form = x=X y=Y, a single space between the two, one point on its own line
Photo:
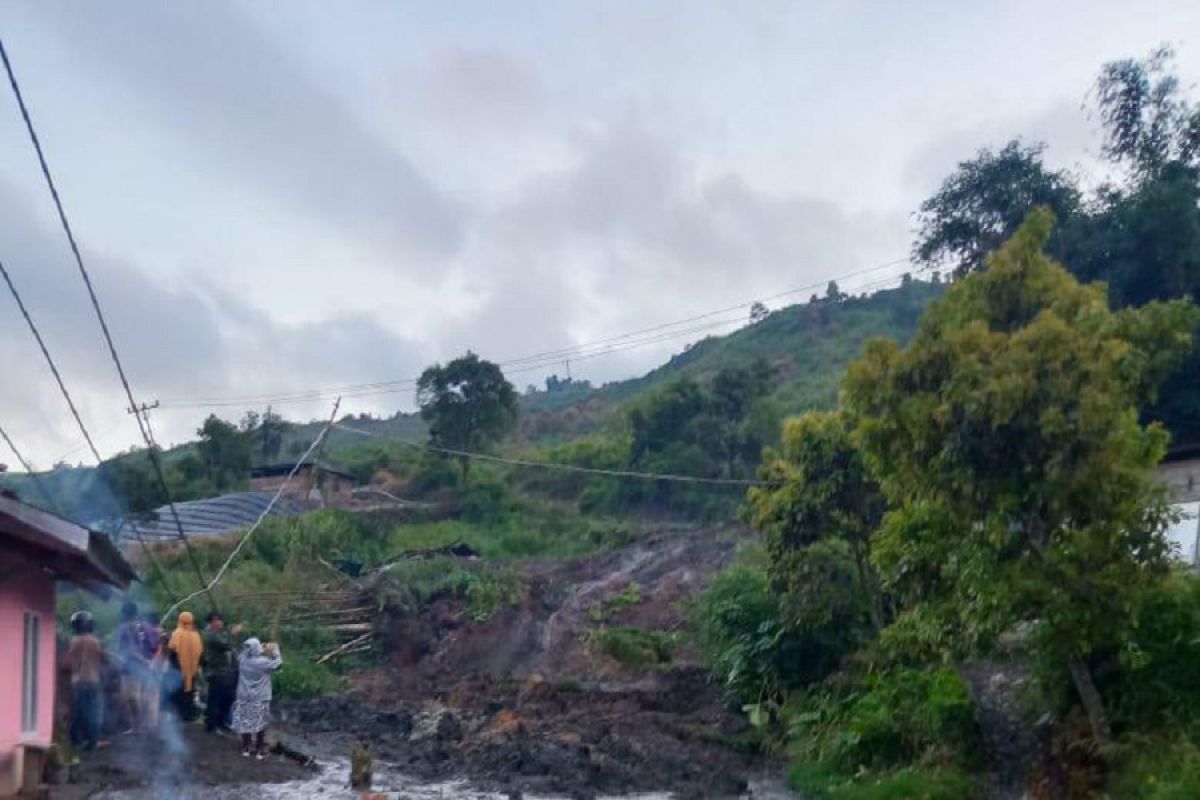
x=818 y=490
x=1006 y=438
x=984 y=201
x=468 y=403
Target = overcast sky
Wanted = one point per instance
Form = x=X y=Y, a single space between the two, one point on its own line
x=280 y=196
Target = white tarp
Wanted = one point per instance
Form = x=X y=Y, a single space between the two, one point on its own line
x=1184 y=533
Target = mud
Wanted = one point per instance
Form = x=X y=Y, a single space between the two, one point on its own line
x=526 y=702
x=667 y=733
x=523 y=704
x=177 y=757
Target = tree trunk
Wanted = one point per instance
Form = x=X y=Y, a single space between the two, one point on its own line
x=1089 y=695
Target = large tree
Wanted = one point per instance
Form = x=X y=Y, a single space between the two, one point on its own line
x=817 y=490
x=1006 y=438
x=1149 y=123
x=468 y=404
x=983 y=201
x=225 y=452
x=1139 y=234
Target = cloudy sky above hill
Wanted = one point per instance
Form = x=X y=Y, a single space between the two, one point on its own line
x=277 y=197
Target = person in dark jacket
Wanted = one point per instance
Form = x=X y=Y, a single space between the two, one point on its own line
x=220 y=671
x=85 y=659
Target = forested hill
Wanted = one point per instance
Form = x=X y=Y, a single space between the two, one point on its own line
x=807 y=345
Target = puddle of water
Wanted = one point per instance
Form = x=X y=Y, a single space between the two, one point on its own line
x=333 y=778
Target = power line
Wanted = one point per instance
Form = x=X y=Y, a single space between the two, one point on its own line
x=316 y=443
x=558 y=354
x=35 y=477
x=52 y=506
x=87 y=280
x=538 y=361
x=553 y=465
x=62 y=387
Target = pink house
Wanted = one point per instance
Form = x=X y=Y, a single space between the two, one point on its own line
x=37 y=549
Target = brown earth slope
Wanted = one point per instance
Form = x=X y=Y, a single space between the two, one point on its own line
x=530 y=700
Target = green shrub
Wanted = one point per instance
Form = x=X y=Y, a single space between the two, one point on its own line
x=612 y=605
x=636 y=647
x=486 y=499
x=744 y=641
x=1156 y=682
x=299 y=678
x=1157 y=769
x=910 y=783
x=488 y=592
x=886 y=720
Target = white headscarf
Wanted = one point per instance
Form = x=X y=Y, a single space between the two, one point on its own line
x=254 y=673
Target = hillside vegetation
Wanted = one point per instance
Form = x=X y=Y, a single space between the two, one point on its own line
x=807 y=345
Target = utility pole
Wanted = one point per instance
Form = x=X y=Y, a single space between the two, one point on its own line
x=144 y=411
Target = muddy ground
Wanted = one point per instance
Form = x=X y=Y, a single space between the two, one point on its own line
x=526 y=702
x=174 y=756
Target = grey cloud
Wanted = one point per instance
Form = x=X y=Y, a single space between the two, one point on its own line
x=176 y=342
x=476 y=89
x=227 y=89
x=1071 y=139
x=648 y=239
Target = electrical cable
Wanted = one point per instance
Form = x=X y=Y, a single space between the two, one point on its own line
x=536 y=361
x=612 y=473
x=112 y=349
x=35 y=477
x=220 y=573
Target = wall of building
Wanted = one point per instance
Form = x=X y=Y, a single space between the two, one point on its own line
x=1182 y=479
x=335 y=489
x=24 y=586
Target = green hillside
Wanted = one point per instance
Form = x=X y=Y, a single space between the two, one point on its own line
x=808 y=345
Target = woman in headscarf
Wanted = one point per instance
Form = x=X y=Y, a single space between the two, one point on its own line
x=252 y=709
x=185 y=648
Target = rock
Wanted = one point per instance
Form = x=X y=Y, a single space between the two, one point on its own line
x=449 y=728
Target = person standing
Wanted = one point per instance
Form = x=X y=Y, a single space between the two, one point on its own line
x=220 y=671
x=252 y=709
x=85 y=655
x=135 y=649
x=185 y=649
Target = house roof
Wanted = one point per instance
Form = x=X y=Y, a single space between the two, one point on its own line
x=274 y=470
x=1188 y=451
x=69 y=550
x=209 y=517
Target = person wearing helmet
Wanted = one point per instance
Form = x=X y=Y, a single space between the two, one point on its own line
x=85 y=655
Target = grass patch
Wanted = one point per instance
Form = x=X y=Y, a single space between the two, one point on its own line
x=910 y=783
x=607 y=608
x=303 y=678
x=1156 y=769
x=635 y=647
x=490 y=591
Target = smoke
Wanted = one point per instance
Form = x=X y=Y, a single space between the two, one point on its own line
x=170 y=765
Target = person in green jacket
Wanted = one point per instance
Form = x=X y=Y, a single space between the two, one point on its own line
x=220 y=671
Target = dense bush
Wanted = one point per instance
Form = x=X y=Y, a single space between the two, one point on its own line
x=1157 y=768
x=746 y=643
x=884 y=720
x=303 y=678
x=1156 y=681
x=910 y=783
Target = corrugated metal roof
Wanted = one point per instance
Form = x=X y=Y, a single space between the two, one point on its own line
x=208 y=517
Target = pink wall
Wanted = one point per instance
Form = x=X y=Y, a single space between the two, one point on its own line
x=24 y=586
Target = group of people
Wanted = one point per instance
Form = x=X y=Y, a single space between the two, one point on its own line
x=161 y=674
